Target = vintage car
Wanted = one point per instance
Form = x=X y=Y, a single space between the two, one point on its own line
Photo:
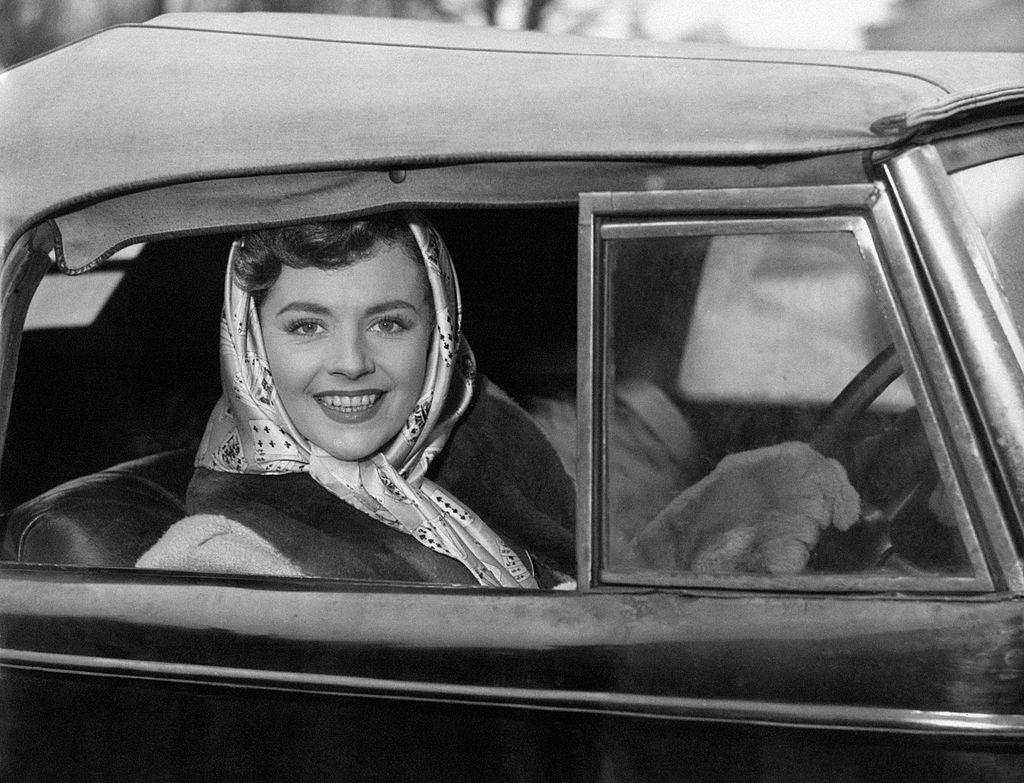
x=668 y=254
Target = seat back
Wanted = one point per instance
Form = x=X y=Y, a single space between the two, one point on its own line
x=107 y=518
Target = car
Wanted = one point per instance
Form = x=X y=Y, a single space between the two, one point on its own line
x=672 y=256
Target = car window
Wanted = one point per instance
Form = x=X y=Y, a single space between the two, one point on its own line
x=118 y=375
x=722 y=341
x=735 y=438
x=994 y=193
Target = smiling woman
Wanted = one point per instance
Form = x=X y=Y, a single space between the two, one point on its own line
x=344 y=369
x=329 y=333
x=347 y=345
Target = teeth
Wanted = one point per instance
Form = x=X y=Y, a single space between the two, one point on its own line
x=349 y=404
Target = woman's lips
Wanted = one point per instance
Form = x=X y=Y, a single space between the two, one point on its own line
x=350 y=408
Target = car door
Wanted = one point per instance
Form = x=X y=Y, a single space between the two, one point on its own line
x=711 y=322
x=797 y=289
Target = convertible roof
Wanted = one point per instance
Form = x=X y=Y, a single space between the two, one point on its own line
x=197 y=96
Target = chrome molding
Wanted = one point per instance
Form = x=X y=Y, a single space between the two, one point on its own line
x=960 y=725
x=955 y=265
x=589 y=381
x=781 y=200
x=959 y=454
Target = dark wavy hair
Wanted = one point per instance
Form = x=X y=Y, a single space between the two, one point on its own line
x=330 y=245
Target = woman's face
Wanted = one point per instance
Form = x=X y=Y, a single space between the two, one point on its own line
x=348 y=349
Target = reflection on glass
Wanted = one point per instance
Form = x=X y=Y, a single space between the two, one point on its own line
x=994 y=193
x=725 y=355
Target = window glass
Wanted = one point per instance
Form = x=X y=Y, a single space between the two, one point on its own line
x=995 y=195
x=725 y=353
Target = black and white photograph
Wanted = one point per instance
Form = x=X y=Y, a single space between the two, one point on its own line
x=526 y=391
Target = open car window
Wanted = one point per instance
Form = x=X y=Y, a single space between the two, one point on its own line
x=118 y=374
x=753 y=425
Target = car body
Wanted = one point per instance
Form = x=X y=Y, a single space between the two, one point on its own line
x=550 y=165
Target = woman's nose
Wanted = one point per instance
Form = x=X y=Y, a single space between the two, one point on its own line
x=350 y=356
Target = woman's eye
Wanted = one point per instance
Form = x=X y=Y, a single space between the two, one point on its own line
x=390 y=325
x=304 y=328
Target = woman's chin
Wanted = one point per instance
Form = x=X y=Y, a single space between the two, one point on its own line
x=352 y=446
x=352 y=452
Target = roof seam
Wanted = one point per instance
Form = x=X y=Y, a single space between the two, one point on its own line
x=554 y=53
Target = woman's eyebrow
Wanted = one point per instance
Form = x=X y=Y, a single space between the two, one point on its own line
x=391 y=304
x=305 y=307
x=319 y=309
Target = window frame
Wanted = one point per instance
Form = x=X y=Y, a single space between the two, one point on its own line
x=955 y=269
x=866 y=212
x=919 y=344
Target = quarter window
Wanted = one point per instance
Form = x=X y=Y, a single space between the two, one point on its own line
x=995 y=196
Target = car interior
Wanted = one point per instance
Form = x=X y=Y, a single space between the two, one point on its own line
x=106 y=417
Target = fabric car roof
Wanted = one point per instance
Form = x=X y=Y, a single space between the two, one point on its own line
x=197 y=96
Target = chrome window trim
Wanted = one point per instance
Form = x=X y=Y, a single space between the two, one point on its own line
x=928 y=369
x=975 y=725
x=955 y=265
x=862 y=210
x=589 y=422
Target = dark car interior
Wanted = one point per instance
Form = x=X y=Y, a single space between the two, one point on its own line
x=117 y=408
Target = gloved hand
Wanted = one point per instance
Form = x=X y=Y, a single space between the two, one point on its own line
x=758 y=511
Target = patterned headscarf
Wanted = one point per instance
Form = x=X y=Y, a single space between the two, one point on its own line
x=250 y=431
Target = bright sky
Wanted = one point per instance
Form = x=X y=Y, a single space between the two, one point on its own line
x=815 y=24
x=826 y=24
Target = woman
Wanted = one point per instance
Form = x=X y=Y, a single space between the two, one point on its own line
x=353 y=438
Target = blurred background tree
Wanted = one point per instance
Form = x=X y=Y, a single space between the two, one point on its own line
x=30 y=27
x=964 y=25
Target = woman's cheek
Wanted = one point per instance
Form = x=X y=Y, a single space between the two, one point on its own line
x=292 y=365
x=415 y=362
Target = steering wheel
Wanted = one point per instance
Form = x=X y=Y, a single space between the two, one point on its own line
x=894 y=471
